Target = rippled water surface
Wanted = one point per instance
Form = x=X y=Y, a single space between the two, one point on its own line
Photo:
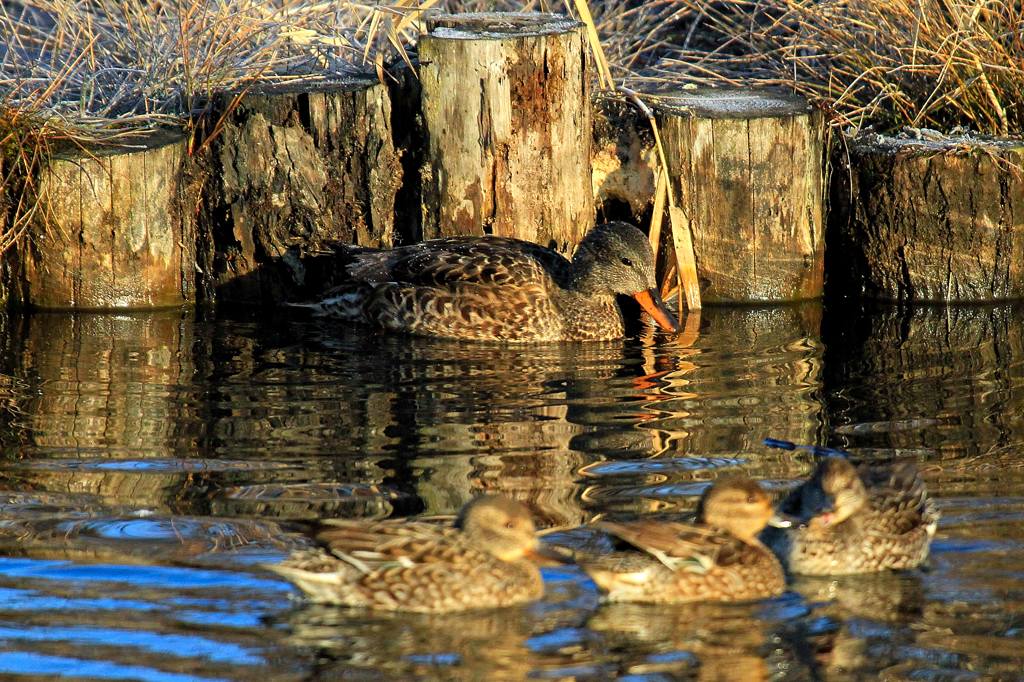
x=151 y=463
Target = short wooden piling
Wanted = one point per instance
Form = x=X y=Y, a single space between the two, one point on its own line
x=506 y=107
x=289 y=171
x=747 y=167
x=111 y=232
x=929 y=220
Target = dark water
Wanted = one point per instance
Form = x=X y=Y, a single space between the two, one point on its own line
x=152 y=462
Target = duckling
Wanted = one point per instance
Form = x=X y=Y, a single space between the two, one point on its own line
x=717 y=559
x=864 y=521
x=483 y=561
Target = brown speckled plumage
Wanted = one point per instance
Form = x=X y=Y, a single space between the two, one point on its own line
x=718 y=559
x=500 y=289
x=423 y=567
x=856 y=521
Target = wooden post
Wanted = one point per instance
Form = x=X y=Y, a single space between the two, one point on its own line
x=111 y=231
x=289 y=171
x=748 y=170
x=919 y=220
x=506 y=107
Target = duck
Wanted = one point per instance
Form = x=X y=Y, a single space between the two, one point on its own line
x=717 y=559
x=493 y=288
x=484 y=560
x=852 y=520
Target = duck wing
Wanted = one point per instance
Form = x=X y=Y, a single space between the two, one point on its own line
x=370 y=547
x=899 y=499
x=476 y=260
x=681 y=546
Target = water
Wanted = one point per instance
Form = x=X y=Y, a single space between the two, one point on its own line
x=152 y=462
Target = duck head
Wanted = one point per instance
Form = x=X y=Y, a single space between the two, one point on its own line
x=616 y=258
x=740 y=506
x=499 y=526
x=834 y=493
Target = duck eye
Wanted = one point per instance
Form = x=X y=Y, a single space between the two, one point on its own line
x=751 y=499
x=627 y=262
x=510 y=524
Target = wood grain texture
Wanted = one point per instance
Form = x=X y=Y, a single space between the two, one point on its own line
x=747 y=168
x=290 y=172
x=111 y=231
x=506 y=107
x=931 y=221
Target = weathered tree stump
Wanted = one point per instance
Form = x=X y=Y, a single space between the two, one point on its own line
x=624 y=160
x=919 y=220
x=290 y=171
x=747 y=167
x=506 y=107
x=112 y=232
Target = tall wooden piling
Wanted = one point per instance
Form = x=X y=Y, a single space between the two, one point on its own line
x=506 y=107
x=938 y=220
x=747 y=167
x=111 y=231
x=291 y=170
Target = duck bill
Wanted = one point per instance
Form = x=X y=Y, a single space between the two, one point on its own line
x=650 y=300
x=780 y=520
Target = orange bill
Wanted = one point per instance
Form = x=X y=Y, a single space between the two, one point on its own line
x=655 y=307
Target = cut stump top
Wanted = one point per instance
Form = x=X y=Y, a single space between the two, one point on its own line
x=744 y=103
x=134 y=144
x=498 y=25
x=928 y=142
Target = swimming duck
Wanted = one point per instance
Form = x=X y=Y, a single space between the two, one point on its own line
x=501 y=289
x=483 y=561
x=854 y=521
x=718 y=559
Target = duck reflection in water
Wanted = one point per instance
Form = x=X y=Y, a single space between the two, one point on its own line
x=706 y=641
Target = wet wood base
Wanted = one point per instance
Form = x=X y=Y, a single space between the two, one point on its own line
x=111 y=231
x=747 y=167
x=290 y=172
x=930 y=221
x=506 y=107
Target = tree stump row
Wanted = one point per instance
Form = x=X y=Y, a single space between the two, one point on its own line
x=499 y=135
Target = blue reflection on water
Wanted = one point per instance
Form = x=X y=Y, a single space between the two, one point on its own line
x=139 y=576
x=30 y=600
x=26 y=663
x=180 y=646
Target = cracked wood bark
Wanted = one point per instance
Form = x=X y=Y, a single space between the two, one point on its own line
x=919 y=220
x=292 y=171
x=111 y=231
x=747 y=167
x=506 y=107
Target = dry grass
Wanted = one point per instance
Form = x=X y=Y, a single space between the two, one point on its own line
x=886 y=63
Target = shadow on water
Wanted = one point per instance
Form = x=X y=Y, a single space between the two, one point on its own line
x=151 y=462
